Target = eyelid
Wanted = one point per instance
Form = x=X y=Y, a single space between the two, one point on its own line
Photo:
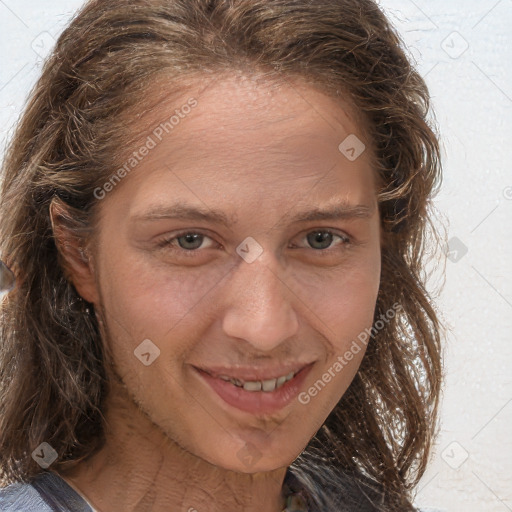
x=166 y=241
x=347 y=239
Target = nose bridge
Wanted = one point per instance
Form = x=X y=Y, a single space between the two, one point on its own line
x=259 y=308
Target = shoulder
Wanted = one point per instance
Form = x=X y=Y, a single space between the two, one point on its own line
x=21 y=496
x=47 y=492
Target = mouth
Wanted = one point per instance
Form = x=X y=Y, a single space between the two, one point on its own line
x=266 y=385
x=255 y=391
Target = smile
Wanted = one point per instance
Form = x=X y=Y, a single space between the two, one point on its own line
x=257 y=392
x=267 y=385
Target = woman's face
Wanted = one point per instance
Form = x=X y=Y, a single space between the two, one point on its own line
x=242 y=242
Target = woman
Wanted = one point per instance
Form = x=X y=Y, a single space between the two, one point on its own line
x=216 y=214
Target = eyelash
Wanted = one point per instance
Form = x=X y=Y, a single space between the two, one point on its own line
x=166 y=242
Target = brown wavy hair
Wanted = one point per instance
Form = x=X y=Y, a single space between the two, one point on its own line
x=74 y=132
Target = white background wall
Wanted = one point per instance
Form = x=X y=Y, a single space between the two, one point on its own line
x=464 y=49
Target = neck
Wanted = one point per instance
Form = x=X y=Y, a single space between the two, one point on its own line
x=140 y=469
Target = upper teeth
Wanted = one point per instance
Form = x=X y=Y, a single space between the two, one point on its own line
x=259 y=385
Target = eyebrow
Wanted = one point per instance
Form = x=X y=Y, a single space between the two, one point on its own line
x=340 y=211
x=184 y=211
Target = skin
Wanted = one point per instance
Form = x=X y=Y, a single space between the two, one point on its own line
x=259 y=153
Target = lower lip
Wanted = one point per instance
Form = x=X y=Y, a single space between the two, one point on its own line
x=257 y=402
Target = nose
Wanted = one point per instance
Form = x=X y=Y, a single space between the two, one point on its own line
x=259 y=305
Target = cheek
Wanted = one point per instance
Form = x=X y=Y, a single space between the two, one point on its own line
x=345 y=304
x=342 y=299
x=146 y=301
x=150 y=298
x=143 y=301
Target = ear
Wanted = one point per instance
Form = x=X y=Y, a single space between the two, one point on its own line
x=74 y=256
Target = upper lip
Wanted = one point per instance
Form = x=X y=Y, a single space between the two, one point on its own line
x=253 y=373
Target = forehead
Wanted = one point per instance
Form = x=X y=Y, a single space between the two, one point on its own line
x=254 y=102
x=252 y=138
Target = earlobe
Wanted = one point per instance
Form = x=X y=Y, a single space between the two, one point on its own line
x=73 y=254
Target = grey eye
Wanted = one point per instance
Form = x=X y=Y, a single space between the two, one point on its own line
x=322 y=238
x=191 y=241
